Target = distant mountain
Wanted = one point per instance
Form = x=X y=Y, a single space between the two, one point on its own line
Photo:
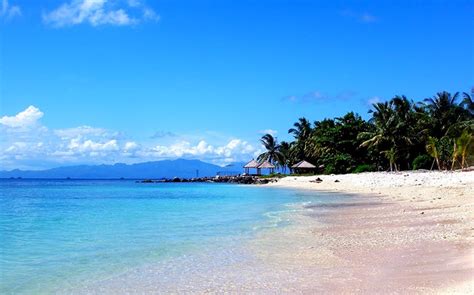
x=158 y=169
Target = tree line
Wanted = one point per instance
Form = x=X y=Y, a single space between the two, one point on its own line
x=435 y=133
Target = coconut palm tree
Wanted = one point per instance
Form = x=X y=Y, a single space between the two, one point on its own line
x=302 y=132
x=445 y=111
x=286 y=151
x=450 y=119
x=463 y=146
x=382 y=138
x=468 y=102
x=272 y=153
x=432 y=149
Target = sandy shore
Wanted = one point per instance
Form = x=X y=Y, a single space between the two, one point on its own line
x=409 y=232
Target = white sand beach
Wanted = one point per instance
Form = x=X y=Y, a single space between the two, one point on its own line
x=406 y=232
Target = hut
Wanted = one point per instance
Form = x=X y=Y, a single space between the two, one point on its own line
x=251 y=165
x=303 y=167
x=265 y=165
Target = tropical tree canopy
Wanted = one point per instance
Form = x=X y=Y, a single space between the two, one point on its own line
x=400 y=134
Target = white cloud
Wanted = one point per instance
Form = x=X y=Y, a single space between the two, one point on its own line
x=8 y=11
x=130 y=146
x=27 y=144
x=234 y=150
x=80 y=131
x=99 y=12
x=317 y=96
x=268 y=131
x=363 y=17
x=26 y=118
x=373 y=100
x=150 y=14
x=76 y=145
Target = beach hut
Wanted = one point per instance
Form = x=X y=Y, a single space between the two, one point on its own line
x=250 y=165
x=303 y=166
x=265 y=165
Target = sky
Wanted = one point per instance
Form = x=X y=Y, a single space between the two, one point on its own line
x=107 y=81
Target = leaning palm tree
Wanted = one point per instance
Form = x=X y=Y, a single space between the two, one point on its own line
x=272 y=153
x=463 y=146
x=391 y=155
x=468 y=102
x=432 y=149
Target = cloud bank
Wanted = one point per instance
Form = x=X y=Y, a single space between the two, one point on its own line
x=27 y=144
x=319 y=96
x=363 y=17
x=8 y=11
x=100 y=12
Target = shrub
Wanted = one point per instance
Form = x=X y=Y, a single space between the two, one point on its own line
x=337 y=163
x=364 y=168
x=422 y=162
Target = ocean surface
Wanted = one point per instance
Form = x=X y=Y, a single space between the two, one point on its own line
x=61 y=236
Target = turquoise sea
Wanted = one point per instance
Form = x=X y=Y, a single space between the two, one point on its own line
x=59 y=235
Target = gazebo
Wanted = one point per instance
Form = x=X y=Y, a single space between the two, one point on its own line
x=265 y=165
x=303 y=166
x=251 y=165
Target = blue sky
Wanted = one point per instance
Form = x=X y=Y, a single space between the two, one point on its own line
x=129 y=81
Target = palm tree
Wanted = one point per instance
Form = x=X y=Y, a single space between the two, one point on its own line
x=272 y=154
x=468 y=102
x=450 y=119
x=432 y=149
x=444 y=110
x=302 y=132
x=463 y=145
x=382 y=138
x=391 y=155
x=286 y=151
x=406 y=132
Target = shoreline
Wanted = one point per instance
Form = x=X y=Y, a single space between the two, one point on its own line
x=402 y=232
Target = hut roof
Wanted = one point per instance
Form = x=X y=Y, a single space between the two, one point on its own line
x=251 y=164
x=266 y=164
x=303 y=165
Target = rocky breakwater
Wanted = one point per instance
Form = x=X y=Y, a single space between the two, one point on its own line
x=217 y=179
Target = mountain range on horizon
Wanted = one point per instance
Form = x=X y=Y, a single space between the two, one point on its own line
x=182 y=168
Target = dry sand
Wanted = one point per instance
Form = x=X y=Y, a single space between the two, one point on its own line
x=408 y=232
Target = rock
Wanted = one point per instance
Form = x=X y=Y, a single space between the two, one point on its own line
x=336 y=180
x=317 y=180
x=239 y=179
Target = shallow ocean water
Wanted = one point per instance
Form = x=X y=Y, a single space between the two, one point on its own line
x=81 y=235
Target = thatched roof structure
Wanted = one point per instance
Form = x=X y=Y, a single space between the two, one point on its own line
x=266 y=164
x=251 y=164
x=303 y=165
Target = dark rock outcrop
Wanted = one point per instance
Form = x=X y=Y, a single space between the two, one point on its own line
x=217 y=179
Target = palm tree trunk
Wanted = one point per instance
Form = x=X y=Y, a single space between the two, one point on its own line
x=454 y=156
x=437 y=163
x=463 y=158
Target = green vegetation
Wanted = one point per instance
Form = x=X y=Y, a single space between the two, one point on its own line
x=437 y=132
